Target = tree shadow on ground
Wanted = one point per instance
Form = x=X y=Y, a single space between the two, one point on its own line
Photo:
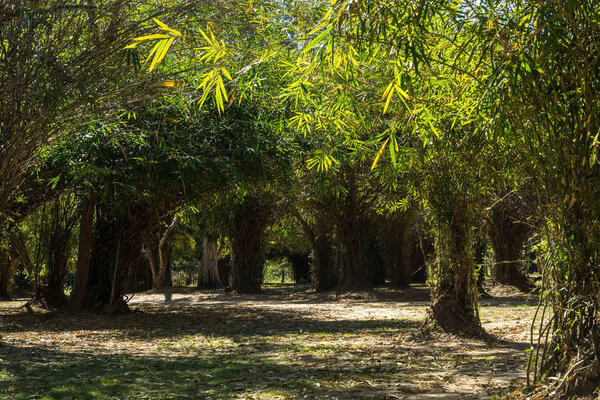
x=228 y=321
x=257 y=369
x=229 y=350
x=292 y=294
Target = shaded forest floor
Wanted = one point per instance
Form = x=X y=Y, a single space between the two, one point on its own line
x=286 y=343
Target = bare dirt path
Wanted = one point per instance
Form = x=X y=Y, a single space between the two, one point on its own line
x=287 y=343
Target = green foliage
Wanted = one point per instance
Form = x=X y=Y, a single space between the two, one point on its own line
x=274 y=268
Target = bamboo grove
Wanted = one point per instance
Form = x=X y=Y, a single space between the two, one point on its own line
x=375 y=135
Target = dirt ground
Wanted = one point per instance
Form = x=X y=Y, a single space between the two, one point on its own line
x=288 y=343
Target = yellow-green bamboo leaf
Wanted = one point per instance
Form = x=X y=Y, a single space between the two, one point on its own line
x=402 y=92
x=379 y=153
x=205 y=93
x=219 y=101
x=206 y=80
x=164 y=27
x=317 y=40
x=387 y=90
x=226 y=73
x=221 y=86
x=388 y=100
x=154 y=50
x=204 y=35
x=152 y=37
x=161 y=53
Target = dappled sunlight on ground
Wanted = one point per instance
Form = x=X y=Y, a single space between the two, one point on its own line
x=286 y=343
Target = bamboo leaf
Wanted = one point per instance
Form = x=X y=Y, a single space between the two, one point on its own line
x=168 y=84
x=161 y=53
x=317 y=40
x=164 y=27
x=402 y=92
x=393 y=148
x=389 y=99
x=152 y=37
x=379 y=153
x=221 y=86
x=205 y=36
x=226 y=73
x=153 y=51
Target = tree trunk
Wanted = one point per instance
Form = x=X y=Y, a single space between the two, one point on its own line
x=62 y=218
x=454 y=288
x=150 y=250
x=454 y=305
x=208 y=270
x=301 y=267
x=115 y=250
x=164 y=255
x=224 y=265
x=18 y=255
x=156 y=248
x=247 y=235
x=508 y=232
x=7 y=272
x=352 y=227
x=397 y=246
x=86 y=236
x=508 y=267
x=322 y=270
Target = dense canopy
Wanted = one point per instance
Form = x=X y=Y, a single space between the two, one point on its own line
x=350 y=144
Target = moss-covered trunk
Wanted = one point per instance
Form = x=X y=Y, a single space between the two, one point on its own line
x=454 y=305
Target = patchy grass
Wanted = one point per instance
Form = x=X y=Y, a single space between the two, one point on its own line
x=287 y=343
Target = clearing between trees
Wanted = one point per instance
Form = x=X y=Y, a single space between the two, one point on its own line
x=286 y=343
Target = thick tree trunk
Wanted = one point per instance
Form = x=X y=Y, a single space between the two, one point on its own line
x=301 y=267
x=86 y=236
x=323 y=272
x=115 y=250
x=454 y=306
x=324 y=275
x=224 y=265
x=397 y=247
x=208 y=269
x=508 y=267
x=247 y=235
x=358 y=262
x=56 y=238
x=574 y=302
x=508 y=231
